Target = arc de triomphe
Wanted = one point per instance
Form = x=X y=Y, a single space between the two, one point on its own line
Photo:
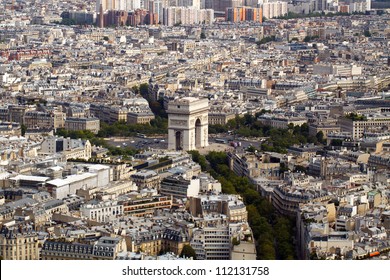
x=188 y=123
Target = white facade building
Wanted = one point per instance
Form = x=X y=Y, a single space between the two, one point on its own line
x=120 y=5
x=360 y=6
x=187 y=16
x=69 y=148
x=104 y=211
x=274 y=9
x=61 y=188
x=212 y=243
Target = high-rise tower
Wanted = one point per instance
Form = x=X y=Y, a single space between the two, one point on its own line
x=101 y=16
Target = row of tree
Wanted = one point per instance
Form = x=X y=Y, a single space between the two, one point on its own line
x=157 y=107
x=97 y=141
x=278 y=140
x=272 y=232
x=266 y=40
x=157 y=126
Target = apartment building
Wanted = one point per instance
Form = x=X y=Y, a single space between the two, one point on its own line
x=346 y=70
x=141 y=207
x=218 y=117
x=222 y=5
x=209 y=185
x=286 y=199
x=109 y=114
x=274 y=9
x=60 y=250
x=140 y=117
x=106 y=248
x=37 y=119
x=370 y=123
x=244 y=14
x=314 y=235
x=91 y=124
x=326 y=126
x=212 y=243
x=251 y=166
x=18 y=243
x=10 y=129
x=101 y=211
x=230 y=205
x=179 y=187
x=146 y=179
x=120 y=188
x=187 y=15
x=68 y=148
x=153 y=241
x=281 y=121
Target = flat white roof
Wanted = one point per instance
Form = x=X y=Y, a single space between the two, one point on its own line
x=4 y=175
x=30 y=178
x=56 y=168
x=98 y=167
x=71 y=179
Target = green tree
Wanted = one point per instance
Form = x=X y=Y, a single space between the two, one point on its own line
x=135 y=89
x=23 y=129
x=249 y=119
x=98 y=141
x=158 y=109
x=299 y=168
x=144 y=88
x=266 y=40
x=217 y=128
x=200 y=159
x=283 y=234
x=188 y=252
x=261 y=214
x=320 y=137
x=235 y=241
x=356 y=117
x=267 y=250
x=251 y=149
x=336 y=142
x=68 y=21
x=310 y=38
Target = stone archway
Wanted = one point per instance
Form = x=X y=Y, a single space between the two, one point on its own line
x=178 y=140
x=187 y=123
x=198 y=133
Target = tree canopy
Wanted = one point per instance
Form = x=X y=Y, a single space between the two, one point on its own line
x=266 y=224
x=278 y=139
x=188 y=252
